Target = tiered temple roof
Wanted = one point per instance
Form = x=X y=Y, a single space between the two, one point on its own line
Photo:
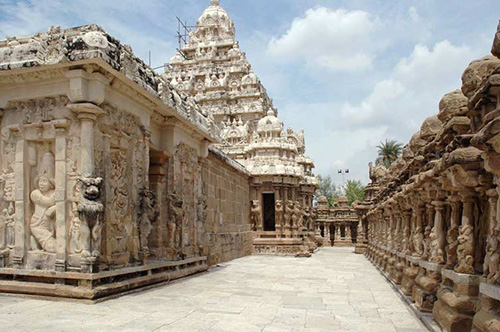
x=213 y=71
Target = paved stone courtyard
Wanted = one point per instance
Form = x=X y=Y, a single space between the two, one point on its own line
x=334 y=290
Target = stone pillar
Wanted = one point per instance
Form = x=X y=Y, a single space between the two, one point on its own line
x=60 y=195
x=278 y=219
x=158 y=185
x=87 y=114
x=437 y=242
x=406 y=238
x=22 y=200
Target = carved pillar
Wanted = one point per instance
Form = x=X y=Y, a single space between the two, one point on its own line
x=406 y=232
x=452 y=234
x=278 y=219
x=437 y=234
x=397 y=231
x=390 y=227
x=21 y=194
x=60 y=195
x=87 y=114
x=158 y=185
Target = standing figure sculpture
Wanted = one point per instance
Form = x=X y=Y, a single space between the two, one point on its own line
x=256 y=215
x=175 y=222
x=9 y=216
x=307 y=219
x=300 y=215
x=418 y=242
x=42 y=220
x=148 y=215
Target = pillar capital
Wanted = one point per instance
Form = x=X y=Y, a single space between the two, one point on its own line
x=438 y=205
x=86 y=111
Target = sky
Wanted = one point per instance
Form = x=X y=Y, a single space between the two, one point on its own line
x=351 y=73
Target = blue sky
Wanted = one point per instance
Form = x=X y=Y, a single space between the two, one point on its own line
x=350 y=73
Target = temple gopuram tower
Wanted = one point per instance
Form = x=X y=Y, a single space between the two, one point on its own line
x=214 y=73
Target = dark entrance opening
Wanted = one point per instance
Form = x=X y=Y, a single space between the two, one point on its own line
x=269 y=212
x=332 y=233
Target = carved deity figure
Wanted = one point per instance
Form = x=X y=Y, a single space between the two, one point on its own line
x=256 y=215
x=491 y=259
x=175 y=221
x=279 y=214
x=451 y=247
x=148 y=215
x=8 y=215
x=436 y=251
x=307 y=218
x=91 y=215
x=300 y=215
x=465 y=250
x=42 y=220
x=418 y=242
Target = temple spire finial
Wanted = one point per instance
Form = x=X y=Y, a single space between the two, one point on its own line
x=214 y=2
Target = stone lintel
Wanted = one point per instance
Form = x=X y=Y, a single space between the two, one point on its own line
x=461 y=278
x=489 y=290
x=430 y=266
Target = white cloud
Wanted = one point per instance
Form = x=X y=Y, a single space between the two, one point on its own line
x=333 y=39
x=412 y=92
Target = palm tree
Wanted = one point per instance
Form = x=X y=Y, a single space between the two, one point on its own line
x=355 y=191
x=388 y=152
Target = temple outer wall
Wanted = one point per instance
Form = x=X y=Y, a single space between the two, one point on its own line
x=228 y=233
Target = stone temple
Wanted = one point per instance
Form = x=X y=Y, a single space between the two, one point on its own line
x=214 y=73
x=114 y=177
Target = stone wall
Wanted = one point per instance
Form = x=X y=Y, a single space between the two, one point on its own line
x=227 y=233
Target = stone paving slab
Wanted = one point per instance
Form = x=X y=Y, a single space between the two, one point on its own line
x=334 y=290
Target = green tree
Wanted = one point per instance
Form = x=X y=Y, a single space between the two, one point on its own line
x=388 y=152
x=328 y=188
x=354 y=190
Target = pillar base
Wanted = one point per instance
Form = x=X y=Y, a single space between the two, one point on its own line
x=426 y=285
x=409 y=274
x=457 y=301
x=488 y=318
x=360 y=248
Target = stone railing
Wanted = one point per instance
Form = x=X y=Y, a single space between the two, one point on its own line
x=433 y=216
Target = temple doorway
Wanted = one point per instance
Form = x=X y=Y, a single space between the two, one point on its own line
x=269 y=212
